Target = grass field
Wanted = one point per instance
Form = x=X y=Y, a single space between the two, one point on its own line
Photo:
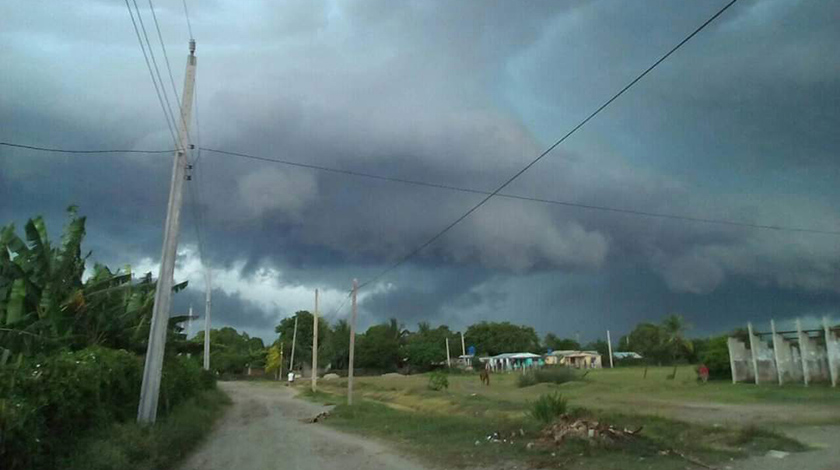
x=714 y=422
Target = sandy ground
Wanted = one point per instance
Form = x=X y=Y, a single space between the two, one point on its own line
x=263 y=430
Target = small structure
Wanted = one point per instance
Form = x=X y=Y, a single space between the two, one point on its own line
x=514 y=361
x=465 y=361
x=576 y=359
x=627 y=355
x=805 y=355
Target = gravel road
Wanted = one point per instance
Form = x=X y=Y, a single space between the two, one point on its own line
x=263 y=430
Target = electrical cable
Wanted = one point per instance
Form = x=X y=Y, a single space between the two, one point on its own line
x=533 y=162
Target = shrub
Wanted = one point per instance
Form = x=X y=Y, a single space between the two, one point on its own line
x=548 y=407
x=526 y=380
x=716 y=358
x=555 y=375
x=438 y=381
x=47 y=404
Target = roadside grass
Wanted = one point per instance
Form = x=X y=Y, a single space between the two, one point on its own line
x=625 y=390
x=129 y=446
x=460 y=439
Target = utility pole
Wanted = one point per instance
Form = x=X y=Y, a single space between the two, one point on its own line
x=352 y=346
x=448 y=361
x=150 y=390
x=280 y=369
x=294 y=341
x=463 y=348
x=207 y=290
x=315 y=345
x=609 y=346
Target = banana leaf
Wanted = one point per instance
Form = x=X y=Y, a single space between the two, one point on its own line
x=14 y=310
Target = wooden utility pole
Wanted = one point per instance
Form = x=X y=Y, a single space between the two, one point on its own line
x=609 y=347
x=315 y=345
x=448 y=361
x=352 y=346
x=150 y=389
x=294 y=341
x=207 y=303
x=463 y=348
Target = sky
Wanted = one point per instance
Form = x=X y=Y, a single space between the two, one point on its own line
x=740 y=124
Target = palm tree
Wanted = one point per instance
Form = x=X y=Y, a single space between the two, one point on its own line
x=674 y=328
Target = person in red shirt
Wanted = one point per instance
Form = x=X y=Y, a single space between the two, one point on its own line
x=704 y=372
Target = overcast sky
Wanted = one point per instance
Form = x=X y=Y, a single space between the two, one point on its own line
x=740 y=124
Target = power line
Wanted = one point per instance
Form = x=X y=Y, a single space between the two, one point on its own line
x=151 y=74
x=56 y=150
x=526 y=198
x=533 y=162
x=168 y=68
x=634 y=212
x=187 y=15
x=157 y=69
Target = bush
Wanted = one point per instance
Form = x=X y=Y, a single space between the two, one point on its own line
x=438 y=381
x=716 y=358
x=46 y=404
x=548 y=407
x=555 y=375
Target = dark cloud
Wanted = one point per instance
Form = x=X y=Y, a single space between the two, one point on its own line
x=737 y=125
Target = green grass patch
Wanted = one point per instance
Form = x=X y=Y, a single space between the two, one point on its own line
x=554 y=375
x=548 y=407
x=129 y=446
x=460 y=439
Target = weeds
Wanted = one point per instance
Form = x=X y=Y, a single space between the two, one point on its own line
x=548 y=407
x=438 y=381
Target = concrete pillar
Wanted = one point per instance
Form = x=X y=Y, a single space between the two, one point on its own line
x=777 y=345
x=832 y=351
x=754 y=352
x=803 y=352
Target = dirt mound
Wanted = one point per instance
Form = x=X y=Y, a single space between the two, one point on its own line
x=330 y=377
x=392 y=374
x=567 y=427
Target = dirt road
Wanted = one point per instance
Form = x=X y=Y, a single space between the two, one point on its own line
x=263 y=431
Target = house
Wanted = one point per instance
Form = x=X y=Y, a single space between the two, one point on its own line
x=576 y=359
x=513 y=361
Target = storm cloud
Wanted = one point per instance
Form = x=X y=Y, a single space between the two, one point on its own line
x=739 y=125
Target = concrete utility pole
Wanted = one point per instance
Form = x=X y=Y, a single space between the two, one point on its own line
x=280 y=369
x=803 y=352
x=149 y=393
x=207 y=290
x=448 y=362
x=352 y=346
x=609 y=346
x=463 y=348
x=294 y=341
x=315 y=345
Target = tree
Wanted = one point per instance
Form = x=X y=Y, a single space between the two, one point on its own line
x=232 y=352
x=45 y=305
x=379 y=347
x=601 y=346
x=427 y=346
x=273 y=359
x=495 y=338
x=336 y=349
x=647 y=339
x=551 y=341
x=303 y=347
x=673 y=328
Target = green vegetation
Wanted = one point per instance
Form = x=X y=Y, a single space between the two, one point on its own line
x=555 y=375
x=548 y=407
x=438 y=381
x=69 y=360
x=128 y=446
x=467 y=429
x=232 y=352
x=496 y=338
